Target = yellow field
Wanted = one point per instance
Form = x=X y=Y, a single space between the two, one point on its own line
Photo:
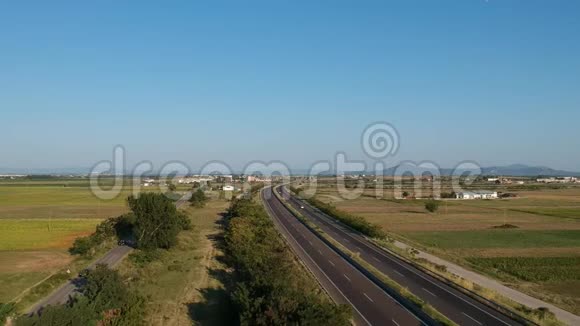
x=37 y=234
x=38 y=223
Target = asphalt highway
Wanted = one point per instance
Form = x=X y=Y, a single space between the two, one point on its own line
x=344 y=283
x=112 y=258
x=456 y=305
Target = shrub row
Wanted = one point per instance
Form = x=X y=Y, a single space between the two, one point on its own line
x=270 y=287
x=356 y=222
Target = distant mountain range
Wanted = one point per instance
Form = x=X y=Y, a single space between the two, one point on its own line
x=516 y=170
x=525 y=170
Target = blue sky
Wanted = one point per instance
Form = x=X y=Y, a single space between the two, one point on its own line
x=496 y=81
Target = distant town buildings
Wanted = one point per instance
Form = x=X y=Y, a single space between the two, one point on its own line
x=194 y=179
x=500 y=180
x=477 y=194
x=253 y=178
x=12 y=176
x=558 y=180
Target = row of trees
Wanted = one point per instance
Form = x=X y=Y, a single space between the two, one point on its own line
x=270 y=288
x=106 y=300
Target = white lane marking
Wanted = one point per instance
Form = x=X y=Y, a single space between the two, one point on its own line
x=320 y=252
x=394 y=322
x=475 y=320
x=431 y=293
x=310 y=242
x=408 y=268
x=274 y=216
x=331 y=263
x=346 y=277
x=375 y=258
x=373 y=284
x=371 y=300
x=401 y=274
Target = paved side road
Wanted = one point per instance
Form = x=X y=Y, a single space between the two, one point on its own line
x=486 y=282
x=344 y=282
x=112 y=258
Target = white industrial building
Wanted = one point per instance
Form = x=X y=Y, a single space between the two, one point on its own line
x=228 y=188
x=477 y=194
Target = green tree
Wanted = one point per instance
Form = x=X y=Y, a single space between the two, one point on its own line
x=157 y=221
x=171 y=187
x=432 y=206
x=198 y=198
x=405 y=194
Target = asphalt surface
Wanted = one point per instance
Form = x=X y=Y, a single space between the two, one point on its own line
x=112 y=258
x=457 y=306
x=342 y=281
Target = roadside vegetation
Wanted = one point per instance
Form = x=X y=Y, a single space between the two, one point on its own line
x=355 y=222
x=105 y=300
x=269 y=287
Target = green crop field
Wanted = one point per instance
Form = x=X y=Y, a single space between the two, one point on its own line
x=35 y=234
x=534 y=269
x=510 y=238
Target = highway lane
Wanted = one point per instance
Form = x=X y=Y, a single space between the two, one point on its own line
x=456 y=305
x=112 y=258
x=346 y=284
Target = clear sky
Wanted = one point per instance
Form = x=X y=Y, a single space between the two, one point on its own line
x=496 y=81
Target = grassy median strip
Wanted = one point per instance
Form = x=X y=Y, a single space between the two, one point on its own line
x=396 y=287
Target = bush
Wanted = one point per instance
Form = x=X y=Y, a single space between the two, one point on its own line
x=82 y=246
x=198 y=198
x=104 y=230
x=6 y=309
x=432 y=206
x=141 y=258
